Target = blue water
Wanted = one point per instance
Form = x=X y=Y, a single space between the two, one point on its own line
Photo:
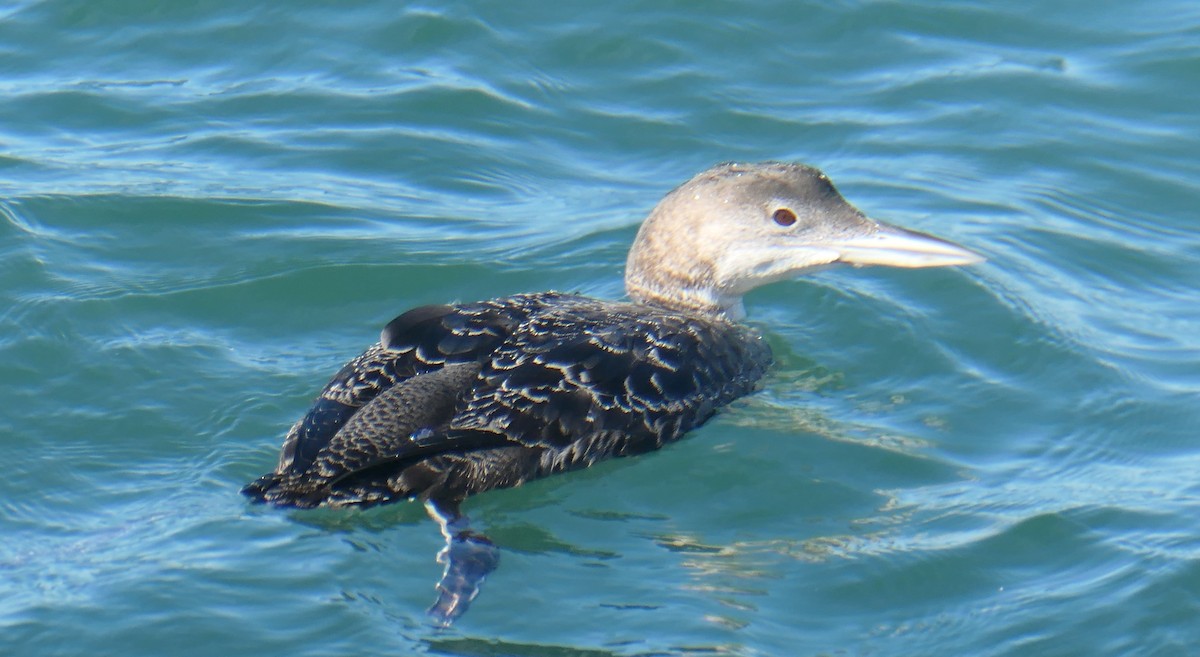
x=206 y=207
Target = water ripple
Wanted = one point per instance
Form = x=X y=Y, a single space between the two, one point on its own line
x=207 y=207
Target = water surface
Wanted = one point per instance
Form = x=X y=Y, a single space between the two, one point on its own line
x=206 y=207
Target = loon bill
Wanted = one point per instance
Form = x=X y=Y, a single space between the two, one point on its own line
x=455 y=400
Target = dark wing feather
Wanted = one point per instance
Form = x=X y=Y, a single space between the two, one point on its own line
x=421 y=340
x=380 y=438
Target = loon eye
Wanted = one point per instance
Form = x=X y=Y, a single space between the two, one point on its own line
x=784 y=217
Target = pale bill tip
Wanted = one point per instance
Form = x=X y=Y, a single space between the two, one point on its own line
x=898 y=247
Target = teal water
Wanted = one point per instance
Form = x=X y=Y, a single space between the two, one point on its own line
x=206 y=207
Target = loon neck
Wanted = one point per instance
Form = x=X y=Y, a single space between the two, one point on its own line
x=687 y=299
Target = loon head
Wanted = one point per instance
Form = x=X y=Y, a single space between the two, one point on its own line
x=738 y=226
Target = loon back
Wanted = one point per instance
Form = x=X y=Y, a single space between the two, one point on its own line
x=457 y=400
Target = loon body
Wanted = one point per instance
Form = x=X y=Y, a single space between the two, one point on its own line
x=455 y=400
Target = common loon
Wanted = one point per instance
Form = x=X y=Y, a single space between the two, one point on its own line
x=455 y=400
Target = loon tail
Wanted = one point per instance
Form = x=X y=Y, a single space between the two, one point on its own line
x=273 y=488
x=403 y=476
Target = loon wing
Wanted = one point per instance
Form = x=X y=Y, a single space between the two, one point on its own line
x=358 y=462
x=420 y=341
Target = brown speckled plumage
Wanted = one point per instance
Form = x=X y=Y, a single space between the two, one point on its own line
x=456 y=400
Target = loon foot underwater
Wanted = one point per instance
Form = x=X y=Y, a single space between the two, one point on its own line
x=455 y=400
